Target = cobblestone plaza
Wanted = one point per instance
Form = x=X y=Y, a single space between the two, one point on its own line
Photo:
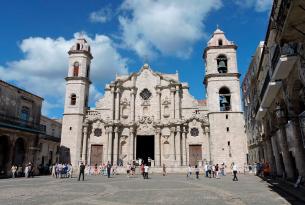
x=171 y=189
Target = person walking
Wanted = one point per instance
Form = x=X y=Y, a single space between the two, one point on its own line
x=108 y=169
x=210 y=170
x=146 y=171
x=70 y=170
x=164 y=170
x=206 y=171
x=14 y=169
x=217 y=171
x=53 y=172
x=197 y=171
x=189 y=171
x=142 y=169
x=81 y=171
x=234 y=168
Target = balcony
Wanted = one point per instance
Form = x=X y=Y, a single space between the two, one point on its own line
x=17 y=123
x=271 y=93
x=260 y=114
x=283 y=60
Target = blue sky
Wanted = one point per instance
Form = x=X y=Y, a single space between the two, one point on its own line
x=171 y=35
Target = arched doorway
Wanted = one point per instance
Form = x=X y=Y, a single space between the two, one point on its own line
x=19 y=152
x=4 y=153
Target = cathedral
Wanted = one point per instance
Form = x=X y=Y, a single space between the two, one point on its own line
x=152 y=116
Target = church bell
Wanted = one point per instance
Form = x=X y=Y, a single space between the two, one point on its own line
x=222 y=68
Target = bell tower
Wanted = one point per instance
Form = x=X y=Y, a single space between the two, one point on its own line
x=76 y=100
x=228 y=139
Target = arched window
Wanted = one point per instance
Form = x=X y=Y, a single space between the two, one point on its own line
x=220 y=42
x=75 y=69
x=222 y=63
x=77 y=46
x=73 y=99
x=25 y=113
x=224 y=99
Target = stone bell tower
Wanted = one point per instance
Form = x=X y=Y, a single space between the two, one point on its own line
x=76 y=101
x=228 y=139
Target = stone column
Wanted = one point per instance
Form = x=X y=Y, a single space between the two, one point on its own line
x=117 y=104
x=159 y=104
x=278 y=163
x=269 y=154
x=172 y=146
x=178 y=145
x=109 y=150
x=112 y=103
x=285 y=153
x=131 y=144
x=172 y=90
x=132 y=105
x=85 y=140
x=157 y=147
x=297 y=143
x=177 y=103
x=184 y=160
x=115 y=146
x=106 y=145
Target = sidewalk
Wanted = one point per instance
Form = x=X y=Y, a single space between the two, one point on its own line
x=287 y=187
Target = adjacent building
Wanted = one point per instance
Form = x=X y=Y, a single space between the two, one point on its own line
x=274 y=93
x=152 y=116
x=21 y=129
x=49 y=141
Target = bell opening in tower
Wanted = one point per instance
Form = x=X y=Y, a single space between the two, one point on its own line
x=145 y=148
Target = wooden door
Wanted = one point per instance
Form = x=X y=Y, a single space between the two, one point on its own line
x=96 y=155
x=195 y=154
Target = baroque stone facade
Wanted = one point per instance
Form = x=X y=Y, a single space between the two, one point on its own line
x=152 y=116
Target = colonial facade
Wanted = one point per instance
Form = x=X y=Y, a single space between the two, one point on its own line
x=274 y=93
x=23 y=130
x=152 y=116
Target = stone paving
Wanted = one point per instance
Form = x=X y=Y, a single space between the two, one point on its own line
x=120 y=190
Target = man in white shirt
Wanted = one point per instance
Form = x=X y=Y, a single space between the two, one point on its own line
x=234 y=168
x=206 y=170
x=146 y=171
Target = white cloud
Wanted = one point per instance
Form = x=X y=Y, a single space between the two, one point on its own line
x=45 y=64
x=152 y=27
x=258 y=5
x=101 y=16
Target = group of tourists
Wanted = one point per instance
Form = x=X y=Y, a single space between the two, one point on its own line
x=60 y=170
x=28 y=171
x=101 y=169
x=260 y=169
x=212 y=171
x=97 y=170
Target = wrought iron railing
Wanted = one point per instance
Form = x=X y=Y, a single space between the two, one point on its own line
x=21 y=123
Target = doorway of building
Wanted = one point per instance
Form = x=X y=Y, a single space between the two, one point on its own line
x=96 y=156
x=19 y=152
x=145 y=147
x=4 y=153
x=195 y=154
